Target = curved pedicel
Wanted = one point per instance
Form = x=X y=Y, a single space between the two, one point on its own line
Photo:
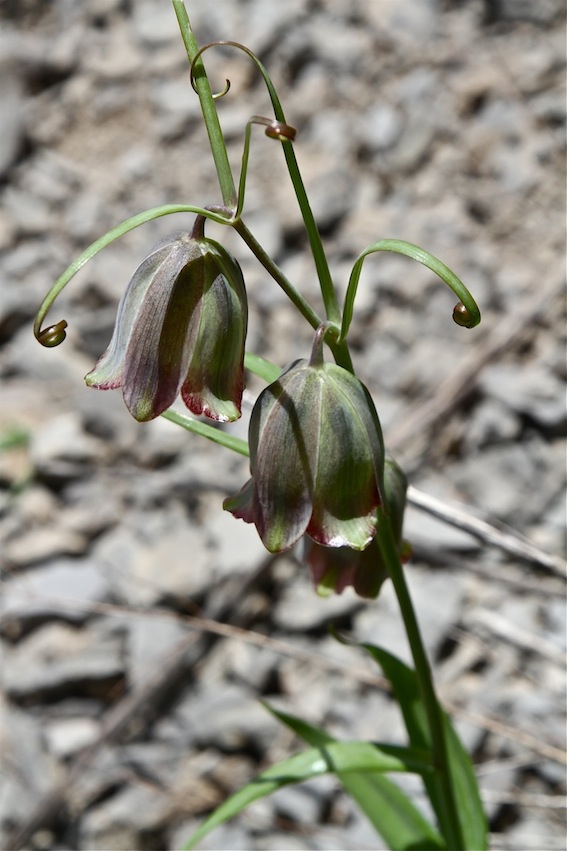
x=466 y=313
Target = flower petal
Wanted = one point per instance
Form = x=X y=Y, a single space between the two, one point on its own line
x=335 y=568
x=242 y=504
x=214 y=381
x=109 y=369
x=349 y=463
x=283 y=448
x=158 y=349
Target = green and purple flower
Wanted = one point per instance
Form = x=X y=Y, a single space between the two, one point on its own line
x=181 y=328
x=316 y=458
x=335 y=568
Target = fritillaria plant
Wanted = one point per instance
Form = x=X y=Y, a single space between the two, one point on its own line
x=321 y=477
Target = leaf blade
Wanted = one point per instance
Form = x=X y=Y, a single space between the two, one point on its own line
x=387 y=808
x=406 y=691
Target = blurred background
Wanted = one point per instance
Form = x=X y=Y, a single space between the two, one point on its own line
x=125 y=716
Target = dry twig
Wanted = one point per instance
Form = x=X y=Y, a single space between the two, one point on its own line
x=508 y=541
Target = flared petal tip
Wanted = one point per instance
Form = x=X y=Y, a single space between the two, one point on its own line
x=218 y=410
x=355 y=534
x=334 y=569
x=241 y=505
x=356 y=524
x=91 y=380
x=101 y=377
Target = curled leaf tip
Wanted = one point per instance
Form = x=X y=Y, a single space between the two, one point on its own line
x=280 y=131
x=463 y=317
x=223 y=92
x=275 y=129
x=215 y=95
x=198 y=55
x=53 y=335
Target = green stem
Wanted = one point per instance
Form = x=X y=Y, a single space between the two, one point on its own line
x=340 y=350
x=341 y=354
x=210 y=116
x=326 y=282
x=294 y=296
x=234 y=200
x=434 y=713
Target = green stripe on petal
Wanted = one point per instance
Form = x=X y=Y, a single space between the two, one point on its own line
x=284 y=466
x=214 y=381
x=108 y=371
x=347 y=486
x=158 y=351
x=181 y=325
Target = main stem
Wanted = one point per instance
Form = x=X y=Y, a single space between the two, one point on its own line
x=433 y=710
x=340 y=350
x=216 y=140
x=326 y=282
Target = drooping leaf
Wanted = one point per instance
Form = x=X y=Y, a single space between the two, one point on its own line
x=354 y=759
x=388 y=809
x=404 y=682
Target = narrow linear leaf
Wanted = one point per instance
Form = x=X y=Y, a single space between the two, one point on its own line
x=216 y=435
x=262 y=367
x=332 y=756
x=471 y=811
x=391 y=813
x=406 y=691
x=293 y=770
x=387 y=808
x=106 y=239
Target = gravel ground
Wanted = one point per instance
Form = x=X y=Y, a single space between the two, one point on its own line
x=124 y=717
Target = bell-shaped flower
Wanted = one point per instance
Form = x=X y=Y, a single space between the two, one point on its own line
x=316 y=458
x=335 y=568
x=181 y=327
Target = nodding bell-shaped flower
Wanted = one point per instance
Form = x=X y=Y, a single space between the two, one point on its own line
x=334 y=569
x=316 y=458
x=181 y=327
